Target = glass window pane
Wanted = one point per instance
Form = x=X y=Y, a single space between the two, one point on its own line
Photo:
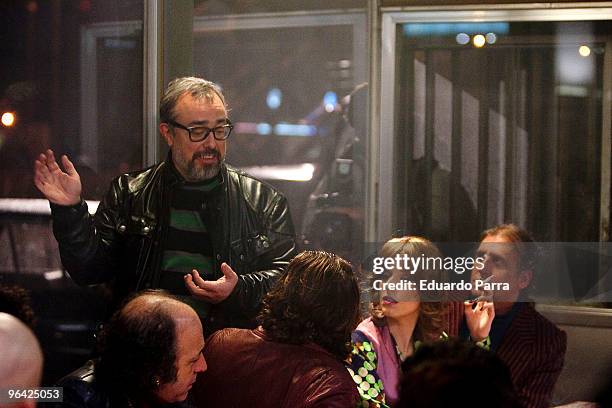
x=287 y=77
x=70 y=80
x=71 y=76
x=503 y=123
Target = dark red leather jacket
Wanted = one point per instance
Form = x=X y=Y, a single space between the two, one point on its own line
x=247 y=369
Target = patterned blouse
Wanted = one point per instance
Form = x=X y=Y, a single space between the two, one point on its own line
x=361 y=366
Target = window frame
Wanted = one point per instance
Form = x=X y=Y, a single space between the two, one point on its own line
x=383 y=118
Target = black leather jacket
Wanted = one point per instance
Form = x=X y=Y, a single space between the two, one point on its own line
x=250 y=224
x=81 y=389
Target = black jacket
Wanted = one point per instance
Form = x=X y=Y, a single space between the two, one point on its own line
x=81 y=389
x=250 y=229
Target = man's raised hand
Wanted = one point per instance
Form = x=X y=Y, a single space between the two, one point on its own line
x=59 y=187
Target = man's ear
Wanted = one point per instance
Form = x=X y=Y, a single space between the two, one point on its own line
x=525 y=278
x=164 y=129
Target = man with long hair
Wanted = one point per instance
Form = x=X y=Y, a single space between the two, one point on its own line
x=294 y=359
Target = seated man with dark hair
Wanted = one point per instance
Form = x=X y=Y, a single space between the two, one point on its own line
x=530 y=345
x=455 y=373
x=294 y=359
x=151 y=353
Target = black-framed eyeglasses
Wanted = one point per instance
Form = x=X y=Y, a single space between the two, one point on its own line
x=199 y=133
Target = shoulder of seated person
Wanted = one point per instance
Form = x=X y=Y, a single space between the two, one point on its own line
x=80 y=388
x=84 y=374
x=546 y=327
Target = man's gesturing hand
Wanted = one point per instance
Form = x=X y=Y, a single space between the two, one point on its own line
x=59 y=187
x=212 y=291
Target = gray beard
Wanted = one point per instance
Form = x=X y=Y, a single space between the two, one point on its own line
x=203 y=173
x=195 y=174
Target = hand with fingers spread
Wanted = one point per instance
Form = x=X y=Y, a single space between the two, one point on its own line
x=59 y=187
x=212 y=291
x=479 y=315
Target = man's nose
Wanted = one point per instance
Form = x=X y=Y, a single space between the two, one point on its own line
x=200 y=366
x=210 y=141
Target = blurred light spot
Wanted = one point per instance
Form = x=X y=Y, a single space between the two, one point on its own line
x=330 y=100
x=8 y=119
x=296 y=172
x=72 y=327
x=245 y=128
x=35 y=206
x=479 y=40
x=584 y=51
x=491 y=38
x=462 y=38
x=264 y=128
x=53 y=275
x=32 y=6
x=572 y=90
x=119 y=43
x=446 y=29
x=281 y=129
x=274 y=98
x=344 y=64
x=288 y=129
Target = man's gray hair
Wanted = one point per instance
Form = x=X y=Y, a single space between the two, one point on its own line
x=198 y=88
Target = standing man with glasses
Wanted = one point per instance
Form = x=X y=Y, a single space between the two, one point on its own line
x=191 y=225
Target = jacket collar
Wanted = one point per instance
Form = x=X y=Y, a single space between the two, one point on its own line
x=262 y=334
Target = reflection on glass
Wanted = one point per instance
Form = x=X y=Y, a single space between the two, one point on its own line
x=288 y=78
x=72 y=79
x=508 y=132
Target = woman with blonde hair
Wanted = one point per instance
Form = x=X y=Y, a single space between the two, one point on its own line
x=400 y=319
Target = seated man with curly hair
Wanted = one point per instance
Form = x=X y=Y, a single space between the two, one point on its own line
x=151 y=353
x=294 y=359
